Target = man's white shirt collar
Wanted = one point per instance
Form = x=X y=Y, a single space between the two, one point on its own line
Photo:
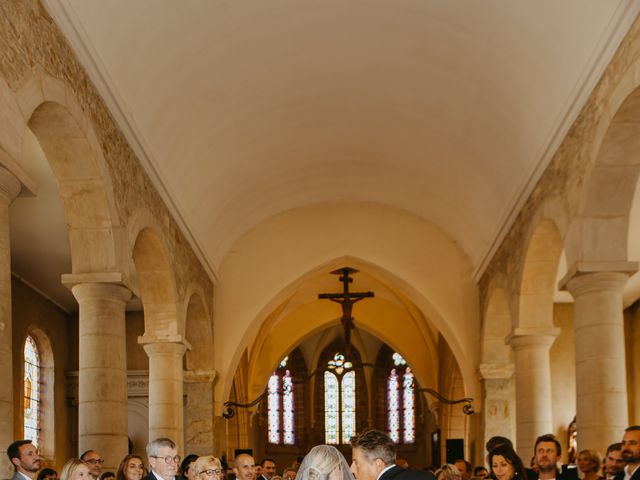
x=23 y=475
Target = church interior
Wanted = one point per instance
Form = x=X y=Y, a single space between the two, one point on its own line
x=196 y=198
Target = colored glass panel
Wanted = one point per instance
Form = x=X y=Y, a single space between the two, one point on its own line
x=32 y=392
x=273 y=409
x=408 y=400
x=393 y=406
x=348 y=406
x=331 y=406
x=398 y=360
x=287 y=409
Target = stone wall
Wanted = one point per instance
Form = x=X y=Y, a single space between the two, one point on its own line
x=30 y=41
x=32 y=311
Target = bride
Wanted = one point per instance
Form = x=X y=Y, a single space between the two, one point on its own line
x=324 y=462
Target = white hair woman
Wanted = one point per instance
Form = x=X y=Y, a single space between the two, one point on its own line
x=208 y=467
x=324 y=462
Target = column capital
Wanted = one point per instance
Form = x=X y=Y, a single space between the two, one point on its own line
x=496 y=371
x=10 y=186
x=609 y=272
x=163 y=344
x=594 y=282
x=200 y=376
x=531 y=337
x=100 y=291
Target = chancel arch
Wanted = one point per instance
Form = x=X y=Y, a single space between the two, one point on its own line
x=436 y=281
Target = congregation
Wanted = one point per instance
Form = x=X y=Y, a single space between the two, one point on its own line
x=373 y=458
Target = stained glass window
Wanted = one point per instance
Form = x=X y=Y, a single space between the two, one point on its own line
x=393 y=406
x=280 y=406
x=287 y=409
x=31 y=391
x=331 y=408
x=274 y=409
x=339 y=400
x=348 y=406
x=401 y=401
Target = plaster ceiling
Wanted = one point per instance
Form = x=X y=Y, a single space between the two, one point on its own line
x=240 y=110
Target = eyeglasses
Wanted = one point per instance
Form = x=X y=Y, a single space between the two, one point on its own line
x=95 y=461
x=211 y=472
x=169 y=459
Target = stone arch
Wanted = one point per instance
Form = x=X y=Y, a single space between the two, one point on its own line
x=279 y=324
x=154 y=279
x=47 y=371
x=599 y=230
x=198 y=333
x=52 y=112
x=539 y=270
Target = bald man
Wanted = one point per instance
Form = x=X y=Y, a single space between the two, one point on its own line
x=244 y=466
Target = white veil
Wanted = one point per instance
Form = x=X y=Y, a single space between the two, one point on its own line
x=324 y=462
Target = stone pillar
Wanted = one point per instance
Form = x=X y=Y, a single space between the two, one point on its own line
x=498 y=410
x=166 y=407
x=9 y=190
x=102 y=370
x=601 y=380
x=199 y=424
x=533 y=385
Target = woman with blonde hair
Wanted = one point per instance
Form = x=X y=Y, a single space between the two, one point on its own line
x=75 y=469
x=589 y=462
x=208 y=467
x=324 y=462
x=448 y=472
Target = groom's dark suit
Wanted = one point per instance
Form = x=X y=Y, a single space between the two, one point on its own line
x=399 y=473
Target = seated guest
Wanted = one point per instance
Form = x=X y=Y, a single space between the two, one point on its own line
x=107 y=476
x=448 y=472
x=25 y=459
x=76 y=469
x=505 y=464
x=589 y=462
x=47 y=474
x=162 y=454
x=131 y=468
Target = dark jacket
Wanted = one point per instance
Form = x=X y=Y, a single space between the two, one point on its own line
x=635 y=476
x=399 y=473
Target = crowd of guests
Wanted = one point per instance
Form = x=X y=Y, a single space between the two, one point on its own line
x=373 y=458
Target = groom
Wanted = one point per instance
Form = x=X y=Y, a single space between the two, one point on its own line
x=374 y=457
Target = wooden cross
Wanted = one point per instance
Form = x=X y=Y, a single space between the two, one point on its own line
x=346 y=299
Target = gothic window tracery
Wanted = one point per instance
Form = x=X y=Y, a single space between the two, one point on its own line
x=281 y=406
x=339 y=400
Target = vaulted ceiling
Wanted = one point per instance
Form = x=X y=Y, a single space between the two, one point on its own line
x=240 y=110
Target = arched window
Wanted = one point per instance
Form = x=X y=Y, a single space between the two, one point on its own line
x=401 y=415
x=339 y=400
x=32 y=392
x=280 y=406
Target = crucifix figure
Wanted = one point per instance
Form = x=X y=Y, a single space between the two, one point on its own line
x=346 y=299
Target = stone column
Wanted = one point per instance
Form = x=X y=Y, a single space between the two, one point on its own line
x=498 y=409
x=199 y=390
x=102 y=370
x=601 y=380
x=9 y=190
x=166 y=407
x=533 y=385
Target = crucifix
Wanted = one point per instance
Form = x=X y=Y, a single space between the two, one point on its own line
x=346 y=299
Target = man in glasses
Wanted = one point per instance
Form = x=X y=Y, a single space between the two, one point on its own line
x=94 y=461
x=163 y=459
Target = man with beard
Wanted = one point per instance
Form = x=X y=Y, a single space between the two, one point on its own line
x=547 y=452
x=631 y=454
x=25 y=458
